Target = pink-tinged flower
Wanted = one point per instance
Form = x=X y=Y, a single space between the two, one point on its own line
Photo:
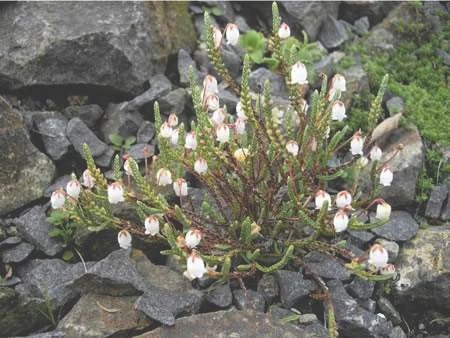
x=172 y=120
x=127 y=167
x=338 y=83
x=58 y=199
x=115 y=193
x=174 y=137
x=241 y=154
x=180 y=187
x=88 y=179
x=383 y=211
x=193 y=238
x=321 y=197
x=240 y=111
x=340 y=221
x=166 y=130
x=338 y=111
x=284 y=31
x=210 y=85
x=191 y=141
x=239 y=125
x=151 y=225
x=376 y=153
x=232 y=34
x=217 y=36
x=386 y=177
x=343 y=198
x=73 y=188
x=212 y=102
x=292 y=147
x=124 y=239
x=299 y=74
x=388 y=269
x=195 y=266
x=357 y=144
x=223 y=133
x=378 y=256
x=164 y=177
x=218 y=117
x=200 y=166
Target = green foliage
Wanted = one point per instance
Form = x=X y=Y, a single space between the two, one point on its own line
x=63 y=230
x=120 y=143
x=255 y=45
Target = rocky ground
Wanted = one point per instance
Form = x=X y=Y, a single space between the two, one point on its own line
x=74 y=73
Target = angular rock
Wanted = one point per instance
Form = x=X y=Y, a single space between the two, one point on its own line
x=368 y=304
x=357 y=82
x=51 y=126
x=444 y=56
x=360 y=238
x=9 y=242
x=260 y=75
x=293 y=287
x=174 y=101
x=220 y=296
x=146 y=132
x=34 y=228
x=278 y=313
x=117 y=47
x=268 y=288
x=400 y=227
x=395 y=105
x=184 y=62
x=424 y=269
x=352 y=320
x=361 y=288
x=332 y=33
x=89 y=113
x=17 y=253
x=326 y=266
x=60 y=182
x=397 y=332
x=362 y=25
x=120 y=122
x=228 y=98
x=374 y=11
x=228 y=324
x=436 y=205
x=10 y=282
x=52 y=334
x=136 y=151
x=389 y=310
x=248 y=300
x=242 y=24
x=391 y=247
x=21 y=178
x=88 y=318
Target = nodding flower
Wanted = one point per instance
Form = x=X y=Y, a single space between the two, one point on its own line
x=378 y=256
x=195 y=266
x=73 y=188
x=338 y=111
x=212 y=102
x=174 y=137
x=340 y=221
x=218 y=117
x=217 y=37
x=386 y=176
x=115 y=193
x=284 y=31
x=164 y=177
x=58 y=199
x=88 y=179
x=240 y=111
x=193 y=238
x=321 y=197
x=200 y=166
x=151 y=225
x=357 y=144
x=210 y=85
x=338 y=84
x=124 y=239
x=166 y=130
x=180 y=187
x=232 y=34
x=172 y=120
x=191 y=141
x=383 y=210
x=343 y=198
x=223 y=133
x=376 y=153
x=292 y=147
x=299 y=75
x=126 y=165
x=239 y=125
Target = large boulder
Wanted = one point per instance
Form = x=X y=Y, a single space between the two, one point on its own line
x=118 y=45
x=24 y=172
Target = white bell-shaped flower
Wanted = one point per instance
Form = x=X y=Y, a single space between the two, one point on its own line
x=58 y=199
x=376 y=153
x=166 y=130
x=338 y=111
x=343 y=198
x=200 y=166
x=180 y=187
x=386 y=177
x=210 y=85
x=321 y=197
x=88 y=179
x=241 y=154
x=363 y=161
x=284 y=31
x=223 y=133
x=172 y=120
x=193 y=238
x=191 y=141
x=195 y=266
x=338 y=83
x=340 y=221
x=378 y=256
x=115 y=193
x=232 y=34
x=383 y=211
x=299 y=75
x=174 y=137
x=127 y=167
x=73 y=188
x=212 y=102
x=292 y=147
x=239 y=125
x=217 y=37
x=357 y=144
x=124 y=239
x=164 y=177
x=218 y=117
x=240 y=111
x=151 y=225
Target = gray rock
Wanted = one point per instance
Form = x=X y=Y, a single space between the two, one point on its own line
x=60 y=182
x=307 y=319
x=17 y=253
x=10 y=282
x=226 y=9
x=395 y=105
x=115 y=275
x=165 y=305
x=444 y=56
x=120 y=121
x=293 y=287
x=325 y=66
x=88 y=319
x=248 y=300
x=397 y=332
x=332 y=33
x=361 y=288
x=374 y=11
x=228 y=98
x=401 y=227
x=349 y=29
x=391 y=247
x=174 y=101
x=432 y=16
x=362 y=25
x=89 y=113
x=52 y=334
x=34 y=228
x=357 y=83
x=326 y=266
x=278 y=313
x=424 y=286
x=118 y=47
x=353 y=320
x=436 y=204
x=242 y=24
x=136 y=151
x=360 y=238
x=51 y=126
x=389 y=310
x=220 y=296
x=368 y=304
x=21 y=179
x=268 y=288
x=9 y=242
x=146 y=132
x=260 y=75
x=184 y=61
x=228 y=324
x=79 y=133
x=232 y=60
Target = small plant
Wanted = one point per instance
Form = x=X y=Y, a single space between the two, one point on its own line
x=120 y=142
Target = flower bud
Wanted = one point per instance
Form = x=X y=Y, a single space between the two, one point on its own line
x=163 y=176
x=58 y=199
x=338 y=111
x=127 y=167
x=193 y=238
x=88 y=179
x=357 y=144
x=383 y=211
x=191 y=141
x=232 y=34
x=218 y=117
x=376 y=153
x=299 y=74
x=241 y=154
x=343 y=198
x=166 y=130
x=174 y=137
x=124 y=239
x=180 y=187
x=240 y=111
x=212 y=102
x=210 y=85
x=195 y=266
x=223 y=133
x=292 y=147
x=115 y=193
x=340 y=221
x=378 y=256
x=200 y=166
x=217 y=36
x=284 y=31
x=386 y=177
x=172 y=120
x=73 y=188
x=151 y=225
x=363 y=161
x=239 y=125
x=338 y=83
x=321 y=197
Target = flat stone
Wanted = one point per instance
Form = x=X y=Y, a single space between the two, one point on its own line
x=248 y=300
x=17 y=253
x=362 y=25
x=220 y=296
x=307 y=319
x=293 y=287
x=60 y=182
x=400 y=227
x=332 y=33
x=436 y=204
x=88 y=113
x=389 y=310
x=260 y=75
x=392 y=248
x=228 y=99
x=278 y=313
x=34 y=228
x=146 y=132
x=268 y=288
x=9 y=242
x=184 y=62
x=174 y=101
x=360 y=238
x=51 y=126
x=361 y=288
x=326 y=266
x=136 y=151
